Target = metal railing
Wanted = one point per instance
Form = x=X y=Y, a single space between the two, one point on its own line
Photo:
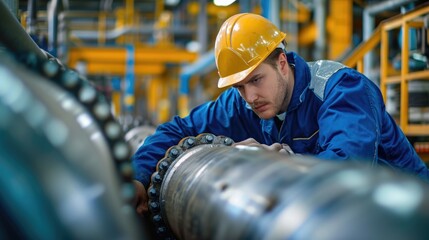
x=380 y=37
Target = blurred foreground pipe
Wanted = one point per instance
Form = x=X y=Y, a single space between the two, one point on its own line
x=57 y=176
x=220 y=192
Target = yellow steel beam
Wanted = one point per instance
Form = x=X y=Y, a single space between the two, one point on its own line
x=116 y=102
x=213 y=10
x=142 y=54
x=403 y=112
x=94 y=68
x=164 y=55
x=397 y=21
x=159 y=8
x=102 y=18
x=24 y=20
x=154 y=93
x=164 y=106
x=183 y=105
x=384 y=61
x=129 y=12
x=340 y=25
x=359 y=66
x=120 y=23
x=418 y=129
x=158 y=102
x=416 y=24
x=307 y=35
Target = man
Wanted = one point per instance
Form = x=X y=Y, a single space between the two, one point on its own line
x=322 y=108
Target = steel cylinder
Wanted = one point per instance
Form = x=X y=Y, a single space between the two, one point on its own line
x=58 y=178
x=221 y=192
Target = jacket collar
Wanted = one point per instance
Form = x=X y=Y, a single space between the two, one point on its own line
x=302 y=79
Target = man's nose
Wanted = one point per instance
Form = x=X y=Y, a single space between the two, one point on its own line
x=250 y=94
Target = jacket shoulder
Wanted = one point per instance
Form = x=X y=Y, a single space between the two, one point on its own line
x=320 y=72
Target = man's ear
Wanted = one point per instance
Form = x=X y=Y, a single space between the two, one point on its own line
x=283 y=64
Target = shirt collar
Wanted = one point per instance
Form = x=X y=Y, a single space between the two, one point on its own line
x=281 y=116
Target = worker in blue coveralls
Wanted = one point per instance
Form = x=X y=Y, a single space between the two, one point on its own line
x=277 y=99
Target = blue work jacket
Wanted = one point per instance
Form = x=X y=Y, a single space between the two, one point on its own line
x=335 y=113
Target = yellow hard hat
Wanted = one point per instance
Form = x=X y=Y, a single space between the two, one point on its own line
x=243 y=42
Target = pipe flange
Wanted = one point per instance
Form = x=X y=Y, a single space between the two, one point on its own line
x=161 y=229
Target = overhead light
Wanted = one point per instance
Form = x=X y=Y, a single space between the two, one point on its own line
x=171 y=2
x=223 y=3
x=193 y=46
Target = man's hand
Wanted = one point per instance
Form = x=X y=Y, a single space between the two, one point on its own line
x=140 y=198
x=282 y=148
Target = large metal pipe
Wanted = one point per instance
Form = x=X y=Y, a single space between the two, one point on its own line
x=65 y=169
x=219 y=192
x=58 y=179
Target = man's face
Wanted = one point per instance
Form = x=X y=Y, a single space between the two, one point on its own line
x=267 y=90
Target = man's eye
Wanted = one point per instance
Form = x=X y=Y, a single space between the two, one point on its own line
x=256 y=80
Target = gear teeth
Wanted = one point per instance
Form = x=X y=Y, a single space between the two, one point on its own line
x=154 y=207
x=70 y=80
x=206 y=138
x=173 y=152
x=50 y=68
x=187 y=143
x=223 y=140
x=153 y=192
x=156 y=178
x=162 y=167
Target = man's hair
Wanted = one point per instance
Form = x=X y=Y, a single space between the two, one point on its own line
x=273 y=57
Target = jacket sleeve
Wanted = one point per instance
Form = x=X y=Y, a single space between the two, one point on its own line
x=348 y=119
x=226 y=116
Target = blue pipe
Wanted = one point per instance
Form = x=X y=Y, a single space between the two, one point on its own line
x=271 y=11
x=203 y=65
x=129 y=78
x=265 y=5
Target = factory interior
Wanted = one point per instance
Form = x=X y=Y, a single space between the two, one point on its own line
x=83 y=83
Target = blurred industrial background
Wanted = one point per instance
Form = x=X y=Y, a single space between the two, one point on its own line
x=122 y=67
x=154 y=59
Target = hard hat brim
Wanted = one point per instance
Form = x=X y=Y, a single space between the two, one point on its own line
x=235 y=78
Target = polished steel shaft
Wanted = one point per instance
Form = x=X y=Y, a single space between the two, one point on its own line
x=221 y=192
